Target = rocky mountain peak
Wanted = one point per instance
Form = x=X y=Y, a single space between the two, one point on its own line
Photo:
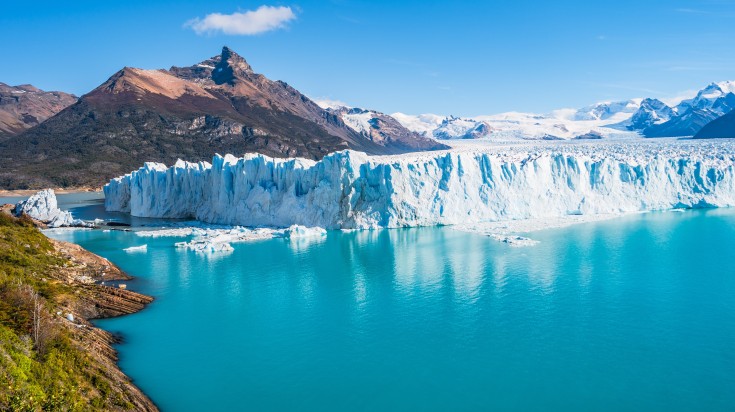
x=230 y=66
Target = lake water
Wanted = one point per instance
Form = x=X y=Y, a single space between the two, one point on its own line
x=636 y=313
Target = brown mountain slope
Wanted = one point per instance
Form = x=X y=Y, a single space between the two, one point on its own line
x=24 y=106
x=217 y=106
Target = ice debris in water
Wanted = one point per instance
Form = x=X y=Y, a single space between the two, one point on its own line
x=219 y=238
x=142 y=248
x=515 y=240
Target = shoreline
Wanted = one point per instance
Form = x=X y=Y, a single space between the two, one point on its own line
x=99 y=301
x=82 y=295
x=61 y=191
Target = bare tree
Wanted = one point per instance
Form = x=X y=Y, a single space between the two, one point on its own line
x=41 y=328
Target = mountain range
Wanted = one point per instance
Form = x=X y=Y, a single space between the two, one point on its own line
x=221 y=105
x=217 y=106
x=644 y=117
x=25 y=106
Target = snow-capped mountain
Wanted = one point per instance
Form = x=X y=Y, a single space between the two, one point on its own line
x=608 y=110
x=380 y=128
x=458 y=128
x=649 y=113
x=691 y=115
x=709 y=98
x=559 y=125
x=647 y=117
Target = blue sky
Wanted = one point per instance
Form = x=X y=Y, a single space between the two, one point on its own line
x=465 y=58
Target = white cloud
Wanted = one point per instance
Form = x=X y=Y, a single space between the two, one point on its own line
x=327 y=103
x=247 y=23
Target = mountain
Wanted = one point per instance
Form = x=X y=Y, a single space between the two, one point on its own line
x=454 y=127
x=722 y=127
x=647 y=117
x=691 y=115
x=379 y=127
x=217 y=106
x=649 y=113
x=25 y=106
x=512 y=126
x=607 y=110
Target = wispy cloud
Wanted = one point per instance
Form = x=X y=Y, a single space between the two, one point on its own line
x=244 y=23
x=692 y=11
x=694 y=68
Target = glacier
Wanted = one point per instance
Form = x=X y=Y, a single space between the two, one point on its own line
x=468 y=183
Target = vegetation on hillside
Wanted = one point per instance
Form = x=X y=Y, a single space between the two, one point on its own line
x=43 y=364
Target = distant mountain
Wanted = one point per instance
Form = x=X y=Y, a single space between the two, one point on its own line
x=25 y=106
x=559 y=125
x=722 y=127
x=454 y=127
x=379 y=127
x=650 y=112
x=691 y=115
x=646 y=117
x=219 y=105
x=607 y=110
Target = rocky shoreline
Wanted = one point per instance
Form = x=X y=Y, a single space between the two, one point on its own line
x=96 y=301
x=83 y=275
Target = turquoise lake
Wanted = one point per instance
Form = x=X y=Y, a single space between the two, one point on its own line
x=635 y=313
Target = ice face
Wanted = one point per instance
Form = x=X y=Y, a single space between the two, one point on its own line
x=43 y=207
x=467 y=184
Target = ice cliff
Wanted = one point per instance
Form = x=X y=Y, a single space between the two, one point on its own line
x=352 y=190
x=43 y=207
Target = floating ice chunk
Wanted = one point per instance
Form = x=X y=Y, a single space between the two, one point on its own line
x=298 y=231
x=174 y=232
x=206 y=246
x=132 y=249
x=516 y=241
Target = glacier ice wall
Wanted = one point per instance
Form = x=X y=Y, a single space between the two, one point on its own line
x=352 y=190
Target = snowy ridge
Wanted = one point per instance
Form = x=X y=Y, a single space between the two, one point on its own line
x=471 y=183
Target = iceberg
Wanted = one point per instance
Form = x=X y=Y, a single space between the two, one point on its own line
x=298 y=232
x=469 y=183
x=43 y=207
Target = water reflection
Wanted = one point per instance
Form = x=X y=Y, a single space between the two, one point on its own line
x=372 y=319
